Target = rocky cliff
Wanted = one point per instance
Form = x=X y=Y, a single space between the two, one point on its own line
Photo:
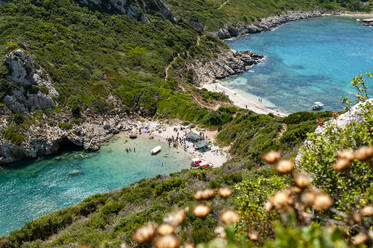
x=229 y=62
x=26 y=90
x=136 y=10
x=266 y=24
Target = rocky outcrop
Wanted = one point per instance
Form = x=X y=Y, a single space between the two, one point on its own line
x=354 y=115
x=134 y=9
x=46 y=138
x=265 y=24
x=228 y=63
x=27 y=90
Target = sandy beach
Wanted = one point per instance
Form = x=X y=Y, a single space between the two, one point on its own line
x=354 y=14
x=241 y=100
x=164 y=131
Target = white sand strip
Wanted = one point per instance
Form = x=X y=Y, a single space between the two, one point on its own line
x=242 y=101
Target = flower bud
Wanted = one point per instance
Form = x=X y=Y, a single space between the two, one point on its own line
x=201 y=210
x=268 y=205
x=364 y=153
x=145 y=233
x=308 y=198
x=229 y=217
x=281 y=199
x=225 y=192
x=208 y=193
x=165 y=229
x=285 y=166
x=347 y=154
x=253 y=235
x=356 y=217
x=323 y=201
x=359 y=239
x=175 y=218
x=188 y=245
x=198 y=195
x=367 y=211
x=168 y=241
x=220 y=232
x=272 y=157
x=341 y=164
x=302 y=180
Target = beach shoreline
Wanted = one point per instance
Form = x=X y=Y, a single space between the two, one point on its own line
x=353 y=14
x=242 y=101
x=163 y=131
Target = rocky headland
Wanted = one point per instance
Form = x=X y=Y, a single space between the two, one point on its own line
x=265 y=24
x=228 y=63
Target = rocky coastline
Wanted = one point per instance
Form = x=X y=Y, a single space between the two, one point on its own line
x=228 y=63
x=266 y=24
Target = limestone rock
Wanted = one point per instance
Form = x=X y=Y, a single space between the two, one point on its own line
x=228 y=63
x=134 y=9
x=266 y=24
x=30 y=91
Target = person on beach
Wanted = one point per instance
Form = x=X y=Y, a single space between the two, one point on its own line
x=130 y=149
x=134 y=149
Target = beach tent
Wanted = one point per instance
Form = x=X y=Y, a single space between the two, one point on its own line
x=193 y=137
x=202 y=145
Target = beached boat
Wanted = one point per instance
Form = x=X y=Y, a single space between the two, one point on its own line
x=156 y=150
x=317 y=106
x=195 y=162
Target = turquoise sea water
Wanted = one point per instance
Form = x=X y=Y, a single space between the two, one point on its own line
x=44 y=186
x=306 y=61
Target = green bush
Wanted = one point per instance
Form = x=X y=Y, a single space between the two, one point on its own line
x=354 y=186
x=167 y=186
x=65 y=126
x=11 y=134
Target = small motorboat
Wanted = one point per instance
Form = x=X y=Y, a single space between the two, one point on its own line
x=204 y=164
x=74 y=173
x=195 y=162
x=133 y=136
x=317 y=106
x=156 y=150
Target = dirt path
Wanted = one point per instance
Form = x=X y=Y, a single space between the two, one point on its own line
x=223 y=4
x=169 y=65
x=283 y=130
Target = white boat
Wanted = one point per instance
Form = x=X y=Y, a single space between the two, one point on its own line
x=317 y=106
x=156 y=150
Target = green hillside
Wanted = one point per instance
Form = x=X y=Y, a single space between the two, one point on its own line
x=94 y=56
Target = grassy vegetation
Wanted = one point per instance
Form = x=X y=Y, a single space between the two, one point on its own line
x=213 y=17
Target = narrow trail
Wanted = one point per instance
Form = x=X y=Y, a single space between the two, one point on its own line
x=169 y=65
x=283 y=130
x=175 y=58
x=223 y=4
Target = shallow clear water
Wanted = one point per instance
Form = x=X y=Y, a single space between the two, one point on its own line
x=44 y=186
x=306 y=61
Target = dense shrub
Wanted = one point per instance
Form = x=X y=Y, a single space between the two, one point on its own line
x=65 y=126
x=11 y=134
x=167 y=186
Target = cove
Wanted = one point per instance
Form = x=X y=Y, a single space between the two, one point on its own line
x=33 y=189
x=306 y=61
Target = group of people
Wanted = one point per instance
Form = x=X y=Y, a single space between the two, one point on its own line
x=130 y=149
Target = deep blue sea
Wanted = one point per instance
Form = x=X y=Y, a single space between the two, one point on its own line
x=40 y=187
x=306 y=61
